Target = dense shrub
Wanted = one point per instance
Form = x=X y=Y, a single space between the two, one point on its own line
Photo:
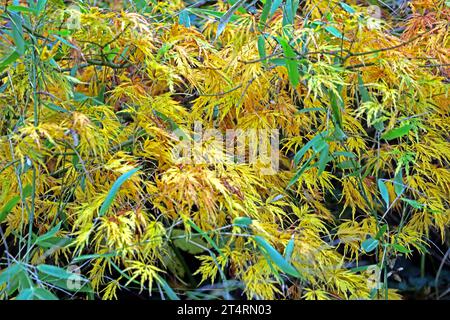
x=95 y=100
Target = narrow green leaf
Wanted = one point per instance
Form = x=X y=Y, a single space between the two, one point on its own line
x=369 y=245
x=335 y=32
x=289 y=249
x=65 y=284
x=169 y=291
x=262 y=48
x=299 y=173
x=363 y=90
x=205 y=235
x=324 y=159
x=299 y=155
x=242 y=221
x=10 y=272
x=381 y=232
x=26 y=294
x=21 y=9
x=291 y=63
x=9 y=60
x=51 y=233
x=17 y=32
x=265 y=14
x=184 y=19
x=226 y=17
x=64 y=41
x=44 y=294
x=344 y=154
x=362 y=268
x=54 y=107
x=277 y=258
x=55 y=242
x=40 y=6
x=397 y=133
x=275 y=5
x=207 y=12
x=9 y=206
x=401 y=248
x=336 y=109
x=94 y=256
x=60 y=273
x=114 y=189
x=347 y=165
x=347 y=8
x=398 y=183
x=413 y=203
x=384 y=192
x=306 y=110
x=289 y=12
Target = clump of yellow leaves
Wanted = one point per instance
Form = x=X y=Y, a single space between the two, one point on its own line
x=112 y=93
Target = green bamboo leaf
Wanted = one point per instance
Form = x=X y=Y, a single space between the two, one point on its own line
x=9 y=273
x=262 y=48
x=344 y=154
x=40 y=6
x=299 y=155
x=21 y=9
x=299 y=173
x=384 y=191
x=184 y=19
x=347 y=165
x=277 y=258
x=336 y=108
x=397 y=133
x=289 y=12
x=207 y=12
x=9 y=206
x=9 y=60
x=205 y=235
x=363 y=90
x=369 y=245
x=52 y=232
x=17 y=32
x=94 y=256
x=226 y=17
x=265 y=14
x=324 y=159
x=169 y=291
x=64 y=283
x=26 y=294
x=291 y=63
x=413 y=203
x=36 y=293
x=289 y=249
x=335 y=32
x=401 y=248
x=55 y=242
x=67 y=43
x=114 y=189
x=347 y=8
x=306 y=110
x=60 y=273
x=242 y=221
x=381 y=232
x=54 y=107
x=275 y=5
x=398 y=183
